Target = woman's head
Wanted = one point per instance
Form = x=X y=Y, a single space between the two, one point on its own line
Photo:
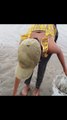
x=38 y=34
x=37 y=30
x=43 y=30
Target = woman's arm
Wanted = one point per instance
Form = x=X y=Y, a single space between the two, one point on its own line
x=53 y=48
x=16 y=84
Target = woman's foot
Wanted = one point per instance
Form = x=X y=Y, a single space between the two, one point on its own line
x=25 y=90
x=36 y=92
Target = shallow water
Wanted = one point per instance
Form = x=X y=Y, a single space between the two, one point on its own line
x=62 y=40
x=9 y=41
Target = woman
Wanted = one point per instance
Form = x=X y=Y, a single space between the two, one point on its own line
x=47 y=35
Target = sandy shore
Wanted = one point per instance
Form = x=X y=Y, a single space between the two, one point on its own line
x=8 y=61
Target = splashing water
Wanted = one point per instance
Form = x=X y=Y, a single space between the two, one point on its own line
x=60 y=85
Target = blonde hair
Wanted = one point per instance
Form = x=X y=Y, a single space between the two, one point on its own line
x=48 y=29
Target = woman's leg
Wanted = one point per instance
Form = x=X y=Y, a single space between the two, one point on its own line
x=27 y=82
x=26 y=87
x=40 y=74
x=41 y=70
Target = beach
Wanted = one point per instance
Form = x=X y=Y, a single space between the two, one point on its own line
x=9 y=42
